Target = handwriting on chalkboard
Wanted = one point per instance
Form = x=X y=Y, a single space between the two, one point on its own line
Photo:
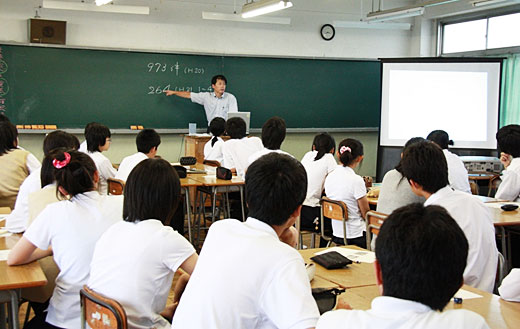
x=4 y=86
x=165 y=67
x=157 y=90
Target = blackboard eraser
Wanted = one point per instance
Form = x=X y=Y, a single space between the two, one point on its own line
x=140 y=127
x=27 y=126
x=34 y=126
x=133 y=127
x=20 y=126
x=41 y=127
x=51 y=127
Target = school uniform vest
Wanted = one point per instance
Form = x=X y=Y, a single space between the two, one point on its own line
x=13 y=172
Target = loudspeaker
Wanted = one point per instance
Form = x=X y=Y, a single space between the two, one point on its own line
x=47 y=31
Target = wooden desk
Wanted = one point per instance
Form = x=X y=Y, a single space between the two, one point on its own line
x=497 y=312
x=13 y=278
x=355 y=275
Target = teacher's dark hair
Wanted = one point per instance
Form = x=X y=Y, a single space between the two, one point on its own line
x=218 y=77
x=152 y=191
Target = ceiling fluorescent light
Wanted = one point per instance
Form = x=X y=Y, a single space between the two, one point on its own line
x=262 y=7
x=82 y=6
x=102 y=2
x=385 y=15
x=371 y=25
x=479 y=3
x=237 y=18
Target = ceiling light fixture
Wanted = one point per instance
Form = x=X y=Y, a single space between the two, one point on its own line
x=237 y=18
x=385 y=15
x=262 y=7
x=82 y=6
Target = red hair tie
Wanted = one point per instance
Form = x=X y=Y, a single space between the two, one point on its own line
x=63 y=163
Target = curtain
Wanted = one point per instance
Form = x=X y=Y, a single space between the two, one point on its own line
x=510 y=96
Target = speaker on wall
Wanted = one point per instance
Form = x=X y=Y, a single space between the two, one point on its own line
x=47 y=31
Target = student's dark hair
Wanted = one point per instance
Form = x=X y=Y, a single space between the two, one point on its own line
x=353 y=149
x=48 y=171
x=4 y=118
x=88 y=126
x=276 y=185
x=411 y=141
x=273 y=133
x=59 y=138
x=217 y=127
x=8 y=136
x=441 y=138
x=323 y=143
x=508 y=139
x=96 y=136
x=218 y=77
x=146 y=139
x=236 y=128
x=425 y=164
x=77 y=175
x=152 y=191
x=422 y=252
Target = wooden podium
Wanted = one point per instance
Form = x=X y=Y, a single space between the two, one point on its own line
x=194 y=146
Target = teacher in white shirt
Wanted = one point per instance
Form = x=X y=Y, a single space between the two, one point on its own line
x=216 y=104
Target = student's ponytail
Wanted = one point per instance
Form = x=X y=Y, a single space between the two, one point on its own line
x=349 y=149
x=217 y=127
x=323 y=143
x=74 y=172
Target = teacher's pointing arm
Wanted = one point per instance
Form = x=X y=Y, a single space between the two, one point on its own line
x=183 y=94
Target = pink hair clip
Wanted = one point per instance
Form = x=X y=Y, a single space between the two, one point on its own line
x=344 y=148
x=63 y=163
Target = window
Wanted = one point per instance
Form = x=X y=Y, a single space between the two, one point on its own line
x=481 y=34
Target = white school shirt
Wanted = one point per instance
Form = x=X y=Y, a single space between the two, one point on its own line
x=236 y=153
x=214 y=106
x=392 y=313
x=246 y=278
x=105 y=169
x=510 y=287
x=343 y=184
x=509 y=189
x=72 y=228
x=214 y=152
x=128 y=164
x=457 y=173
x=253 y=157
x=475 y=220
x=83 y=147
x=134 y=263
x=16 y=222
x=317 y=171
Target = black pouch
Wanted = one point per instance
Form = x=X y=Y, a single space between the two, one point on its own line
x=188 y=161
x=181 y=171
x=332 y=260
x=224 y=173
x=326 y=298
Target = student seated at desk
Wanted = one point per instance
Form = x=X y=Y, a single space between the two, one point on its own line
x=424 y=165
x=246 y=275
x=420 y=258
x=510 y=287
x=135 y=259
x=98 y=140
x=318 y=163
x=213 y=148
x=83 y=146
x=457 y=173
x=16 y=222
x=508 y=140
x=72 y=227
x=343 y=184
x=147 y=142
x=239 y=148
x=273 y=134
x=16 y=164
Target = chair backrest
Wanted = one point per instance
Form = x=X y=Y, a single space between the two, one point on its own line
x=101 y=312
x=211 y=163
x=115 y=186
x=374 y=221
x=335 y=210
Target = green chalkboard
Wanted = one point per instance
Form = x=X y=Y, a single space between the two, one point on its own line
x=71 y=87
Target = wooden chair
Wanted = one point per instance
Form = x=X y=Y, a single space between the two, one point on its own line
x=374 y=221
x=211 y=163
x=115 y=186
x=335 y=210
x=101 y=312
x=302 y=232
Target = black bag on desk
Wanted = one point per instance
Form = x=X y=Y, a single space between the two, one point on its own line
x=181 y=171
x=224 y=173
x=332 y=260
x=326 y=298
x=188 y=161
